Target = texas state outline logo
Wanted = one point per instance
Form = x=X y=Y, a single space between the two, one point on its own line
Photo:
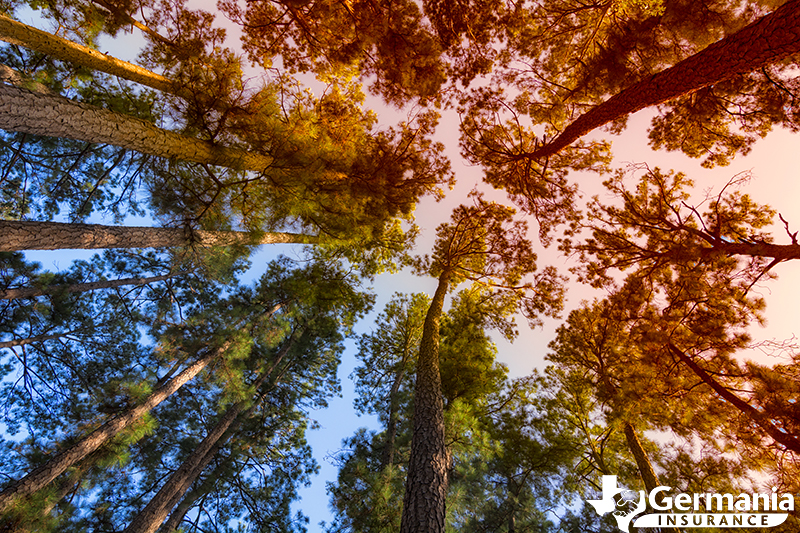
x=709 y=510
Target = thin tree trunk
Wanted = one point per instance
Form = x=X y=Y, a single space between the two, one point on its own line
x=158 y=508
x=176 y=517
x=43 y=114
x=387 y=457
x=123 y=17
x=30 y=235
x=31 y=340
x=43 y=475
x=791 y=442
x=768 y=40
x=14 y=32
x=31 y=292
x=426 y=483
x=643 y=463
x=67 y=485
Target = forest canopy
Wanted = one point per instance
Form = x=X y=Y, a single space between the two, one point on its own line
x=262 y=206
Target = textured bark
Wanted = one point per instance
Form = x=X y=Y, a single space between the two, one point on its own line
x=791 y=442
x=768 y=40
x=177 y=516
x=43 y=475
x=426 y=482
x=31 y=292
x=14 y=77
x=643 y=463
x=158 y=508
x=43 y=114
x=31 y=235
x=14 y=32
x=781 y=252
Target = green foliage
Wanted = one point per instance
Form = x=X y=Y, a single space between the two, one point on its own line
x=467 y=354
x=387 y=40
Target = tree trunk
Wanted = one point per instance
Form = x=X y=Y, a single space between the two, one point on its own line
x=67 y=485
x=158 y=508
x=426 y=483
x=387 y=457
x=41 y=476
x=644 y=465
x=176 y=517
x=791 y=442
x=31 y=340
x=768 y=40
x=30 y=235
x=54 y=116
x=31 y=292
x=14 y=32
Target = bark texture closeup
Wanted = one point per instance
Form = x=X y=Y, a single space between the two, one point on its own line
x=54 y=116
x=768 y=40
x=426 y=482
x=31 y=235
x=43 y=475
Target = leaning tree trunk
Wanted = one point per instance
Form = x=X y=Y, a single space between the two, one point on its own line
x=14 y=32
x=426 y=482
x=54 y=116
x=643 y=464
x=32 y=292
x=31 y=340
x=158 y=508
x=789 y=441
x=43 y=475
x=30 y=235
x=768 y=40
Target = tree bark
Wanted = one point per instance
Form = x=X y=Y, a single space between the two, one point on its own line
x=158 y=508
x=14 y=32
x=41 y=476
x=31 y=340
x=426 y=482
x=31 y=235
x=768 y=40
x=643 y=463
x=387 y=457
x=791 y=442
x=32 y=292
x=54 y=116
x=176 y=517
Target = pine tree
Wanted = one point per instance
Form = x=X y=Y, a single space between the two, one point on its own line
x=484 y=245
